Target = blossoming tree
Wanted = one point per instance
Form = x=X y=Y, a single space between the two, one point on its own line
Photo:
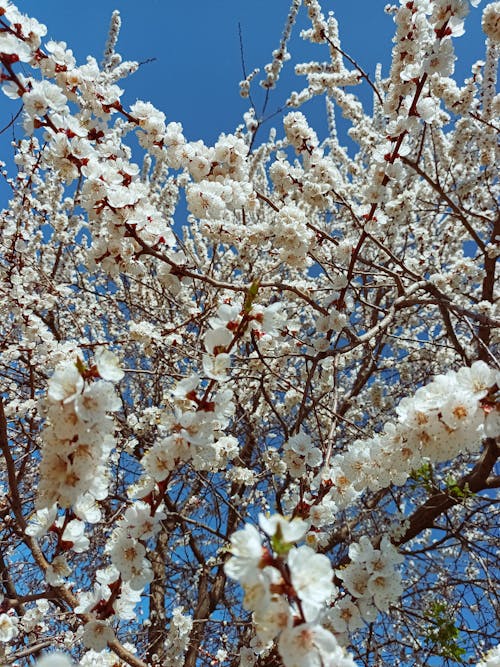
x=266 y=435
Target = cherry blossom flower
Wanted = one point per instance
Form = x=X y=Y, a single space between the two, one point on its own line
x=95 y=401
x=301 y=444
x=74 y=534
x=12 y=45
x=246 y=550
x=42 y=97
x=272 y=618
x=108 y=365
x=41 y=521
x=138 y=522
x=216 y=340
x=491 y=21
x=344 y=616
x=257 y=589
x=287 y=530
x=312 y=579
x=309 y=645
x=65 y=384
x=355 y=578
x=97 y=635
x=8 y=627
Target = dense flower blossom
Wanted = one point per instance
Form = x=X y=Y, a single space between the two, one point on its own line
x=77 y=417
x=290 y=392
x=491 y=21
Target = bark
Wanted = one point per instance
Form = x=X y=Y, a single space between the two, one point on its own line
x=157 y=590
x=477 y=480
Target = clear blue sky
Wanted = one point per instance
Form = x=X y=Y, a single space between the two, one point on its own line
x=194 y=79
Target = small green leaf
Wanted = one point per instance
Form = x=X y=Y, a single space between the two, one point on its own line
x=250 y=296
x=280 y=546
x=442 y=633
x=424 y=477
x=453 y=489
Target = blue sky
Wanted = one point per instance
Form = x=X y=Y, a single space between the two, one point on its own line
x=194 y=77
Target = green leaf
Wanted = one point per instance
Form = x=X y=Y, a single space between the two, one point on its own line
x=424 y=476
x=442 y=633
x=453 y=489
x=250 y=296
x=280 y=546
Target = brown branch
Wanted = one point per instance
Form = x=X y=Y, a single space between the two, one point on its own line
x=13 y=657
x=15 y=498
x=437 y=188
x=477 y=480
x=451 y=333
x=268 y=201
x=207 y=602
x=157 y=591
x=363 y=74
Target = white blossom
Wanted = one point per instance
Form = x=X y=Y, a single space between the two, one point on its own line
x=8 y=627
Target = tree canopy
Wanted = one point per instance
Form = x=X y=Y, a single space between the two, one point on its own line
x=249 y=391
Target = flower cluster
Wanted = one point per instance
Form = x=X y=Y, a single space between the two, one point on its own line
x=220 y=176
x=300 y=454
x=178 y=634
x=446 y=417
x=83 y=144
x=127 y=545
x=491 y=22
x=287 y=589
x=280 y=55
x=79 y=433
x=194 y=432
x=371 y=578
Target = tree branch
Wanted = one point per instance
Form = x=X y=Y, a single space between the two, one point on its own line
x=477 y=480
